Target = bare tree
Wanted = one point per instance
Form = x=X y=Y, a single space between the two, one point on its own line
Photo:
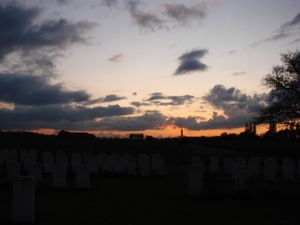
x=284 y=102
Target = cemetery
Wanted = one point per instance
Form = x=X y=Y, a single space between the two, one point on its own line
x=146 y=182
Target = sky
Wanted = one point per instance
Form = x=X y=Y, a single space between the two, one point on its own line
x=115 y=67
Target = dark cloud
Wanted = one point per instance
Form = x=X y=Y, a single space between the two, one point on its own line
x=237 y=107
x=112 y=98
x=116 y=58
x=63 y=2
x=138 y=104
x=285 y=30
x=58 y=117
x=144 y=20
x=290 y=24
x=231 y=52
x=150 y=120
x=294 y=41
x=159 y=99
x=21 y=33
x=189 y=62
x=134 y=93
x=239 y=73
x=109 y=3
x=36 y=90
x=182 y=14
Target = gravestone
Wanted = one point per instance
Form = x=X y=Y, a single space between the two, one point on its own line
x=132 y=165
x=228 y=165
x=13 y=170
x=76 y=161
x=29 y=159
x=240 y=178
x=83 y=177
x=34 y=153
x=158 y=165
x=62 y=159
x=195 y=181
x=288 y=169
x=15 y=152
x=254 y=167
x=270 y=169
x=214 y=165
x=59 y=176
x=47 y=162
x=126 y=157
x=35 y=171
x=238 y=162
x=11 y=157
x=23 y=200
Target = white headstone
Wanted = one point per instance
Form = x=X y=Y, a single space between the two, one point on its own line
x=76 y=161
x=93 y=163
x=29 y=159
x=270 y=169
x=62 y=159
x=132 y=165
x=35 y=171
x=288 y=169
x=254 y=167
x=23 y=200
x=144 y=166
x=13 y=170
x=239 y=162
x=240 y=178
x=158 y=165
x=48 y=159
x=195 y=181
x=11 y=157
x=15 y=152
x=228 y=165
x=126 y=157
x=83 y=177
x=214 y=165
x=59 y=176
x=34 y=153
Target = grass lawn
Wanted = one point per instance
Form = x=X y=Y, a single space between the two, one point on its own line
x=152 y=200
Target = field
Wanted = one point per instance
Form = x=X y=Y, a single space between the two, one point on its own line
x=121 y=199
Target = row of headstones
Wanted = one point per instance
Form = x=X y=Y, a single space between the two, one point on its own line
x=110 y=163
x=82 y=165
x=24 y=186
x=240 y=170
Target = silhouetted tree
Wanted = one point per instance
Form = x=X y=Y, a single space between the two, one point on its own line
x=284 y=102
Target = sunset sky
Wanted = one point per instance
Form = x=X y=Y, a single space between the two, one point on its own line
x=115 y=67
